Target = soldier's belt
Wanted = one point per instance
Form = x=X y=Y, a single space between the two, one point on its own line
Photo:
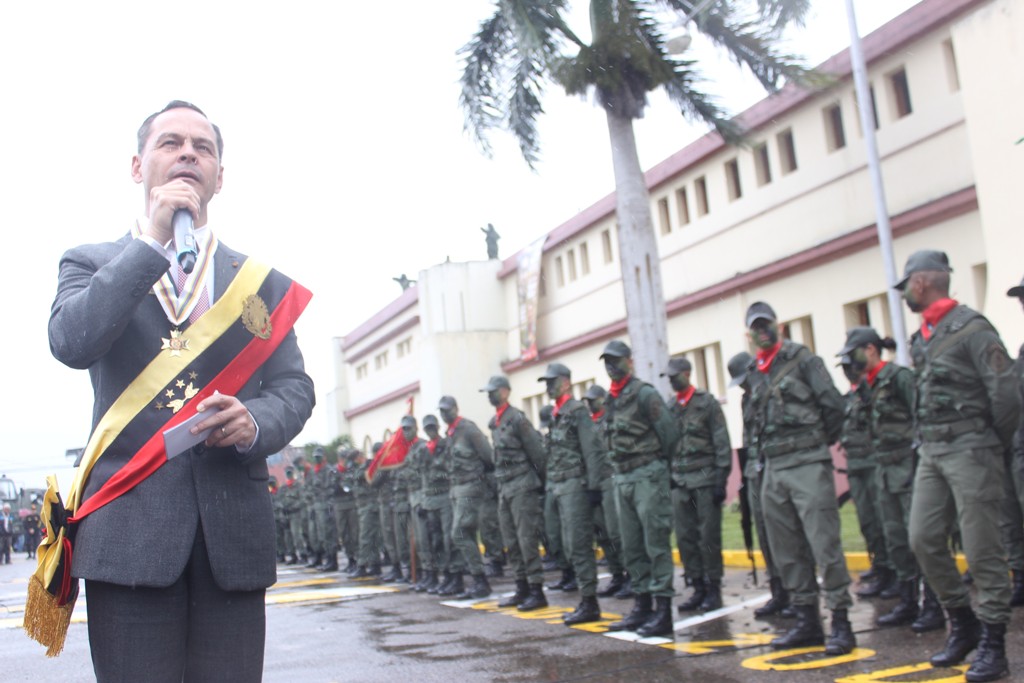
x=631 y=463
x=506 y=473
x=792 y=445
x=467 y=479
x=894 y=457
x=947 y=431
x=563 y=475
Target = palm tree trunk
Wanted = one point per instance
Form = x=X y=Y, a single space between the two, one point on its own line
x=638 y=252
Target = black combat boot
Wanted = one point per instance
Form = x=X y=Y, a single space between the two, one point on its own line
x=990 y=663
x=454 y=587
x=495 y=570
x=440 y=584
x=869 y=575
x=568 y=579
x=779 y=601
x=660 y=623
x=964 y=634
x=806 y=632
x=292 y=559
x=330 y=563
x=352 y=564
x=550 y=564
x=479 y=589
x=514 y=600
x=587 y=611
x=841 y=641
x=394 y=575
x=906 y=610
x=432 y=582
x=421 y=583
x=315 y=560
x=626 y=592
x=637 y=617
x=1017 y=598
x=884 y=579
x=693 y=603
x=713 y=599
x=360 y=573
x=614 y=586
x=535 y=598
x=931 y=618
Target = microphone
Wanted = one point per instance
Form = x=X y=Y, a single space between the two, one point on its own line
x=184 y=239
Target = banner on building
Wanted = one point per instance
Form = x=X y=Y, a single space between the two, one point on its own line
x=528 y=278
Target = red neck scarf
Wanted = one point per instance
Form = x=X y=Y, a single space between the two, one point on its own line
x=765 y=358
x=872 y=374
x=617 y=386
x=340 y=467
x=559 y=402
x=684 y=396
x=273 y=489
x=499 y=412
x=290 y=483
x=934 y=314
x=453 y=425
x=432 y=445
x=598 y=415
x=317 y=467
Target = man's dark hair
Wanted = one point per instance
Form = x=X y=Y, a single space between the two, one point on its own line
x=178 y=104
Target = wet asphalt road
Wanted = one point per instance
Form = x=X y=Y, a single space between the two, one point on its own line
x=324 y=627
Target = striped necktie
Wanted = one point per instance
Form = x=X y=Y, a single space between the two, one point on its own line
x=202 y=305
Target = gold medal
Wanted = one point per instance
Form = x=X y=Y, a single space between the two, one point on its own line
x=256 y=317
x=176 y=344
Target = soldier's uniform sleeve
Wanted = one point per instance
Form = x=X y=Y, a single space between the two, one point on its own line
x=532 y=441
x=1018 y=439
x=906 y=388
x=997 y=373
x=661 y=419
x=481 y=446
x=720 y=440
x=590 y=444
x=830 y=401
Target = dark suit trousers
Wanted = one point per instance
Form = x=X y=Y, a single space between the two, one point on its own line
x=190 y=631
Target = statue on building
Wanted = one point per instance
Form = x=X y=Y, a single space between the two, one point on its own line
x=492 y=240
x=404 y=281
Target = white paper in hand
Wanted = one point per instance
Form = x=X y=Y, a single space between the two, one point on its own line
x=179 y=439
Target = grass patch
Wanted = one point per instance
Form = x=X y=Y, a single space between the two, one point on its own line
x=732 y=532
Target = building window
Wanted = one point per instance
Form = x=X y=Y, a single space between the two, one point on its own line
x=542 y=288
x=899 y=90
x=584 y=259
x=870 y=312
x=787 y=151
x=368 y=447
x=708 y=370
x=664 y=219
x=835 y=136
x=732 y=180
x=532 y=406
x=570 y=258
x=762 y=167
x=682 y=207
x=874 y=109
x=405 y=347
x=700 y=186
x=380 y=361
x=580 y=388
x=606 y=244
x=362 y=370
x=559 y=271
x=952 y=73
x=800 y=331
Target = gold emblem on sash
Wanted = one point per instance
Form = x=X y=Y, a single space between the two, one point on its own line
x=256 y=317
x=176 y=404
x=176 y=344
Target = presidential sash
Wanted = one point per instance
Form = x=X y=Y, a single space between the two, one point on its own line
x=220 y=352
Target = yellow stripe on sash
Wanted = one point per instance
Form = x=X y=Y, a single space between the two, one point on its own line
x=165 y=368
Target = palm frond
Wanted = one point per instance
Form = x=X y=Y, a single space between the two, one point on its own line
x=481 y=98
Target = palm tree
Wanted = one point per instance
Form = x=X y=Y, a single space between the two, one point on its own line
x=527 y=43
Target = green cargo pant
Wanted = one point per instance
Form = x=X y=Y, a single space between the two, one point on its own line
x=553 y=529
x=757 y=512
x=577 y=531
x=465 y=525
x=867 y=501
x=439 y=538
x=517 y=514
x=490 y=530
x=645 y=522
x=1013 y=513
x=369 y=535
x=401 y=526
x=327 y=533
x=346 y=521
x=802 y=518
x=606 y=527
x=968 y=486
x=698 y=523
x=298 y=532
x=386 y=512
x=894 y=488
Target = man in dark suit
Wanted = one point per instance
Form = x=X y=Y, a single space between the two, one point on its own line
x=177 y=566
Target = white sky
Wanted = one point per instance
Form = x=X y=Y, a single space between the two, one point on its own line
x=345 y=160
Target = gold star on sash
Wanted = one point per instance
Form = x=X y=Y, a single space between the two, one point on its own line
x=176 y=344
x=189 y=390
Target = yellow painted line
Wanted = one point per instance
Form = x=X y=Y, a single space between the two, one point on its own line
x=322 y=581
x=769 y=662
x=292 y=597
x=855 y=561
x=706 y=647
x=887 y=674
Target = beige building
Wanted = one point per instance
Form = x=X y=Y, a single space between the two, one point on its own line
x=789 y=219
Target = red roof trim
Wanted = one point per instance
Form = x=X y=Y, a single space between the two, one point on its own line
x=404 y=327
x=405 y=391
x=408 y=298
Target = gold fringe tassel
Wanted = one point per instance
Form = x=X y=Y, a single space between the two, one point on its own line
x=45 y=621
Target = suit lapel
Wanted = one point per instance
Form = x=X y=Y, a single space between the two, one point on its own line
x=226 y=263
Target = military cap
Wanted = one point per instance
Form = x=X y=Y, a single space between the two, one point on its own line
x=289 y=470
x=1017 y=291
x=738 y=366
x=546 y=412
x=616 y=349
x=447 y=403
x=430 y=421
x=844 y=359
x=318 y=452
x=555 y=370
x=408 y=421
x=759 y=310
x=857 y=337
x=497 y=382
x=377 y=445
x=595 y=391
x=676 y=366
x=923 y=260
x=273 y=480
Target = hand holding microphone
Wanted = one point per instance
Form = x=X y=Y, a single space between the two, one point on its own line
x=184 y=239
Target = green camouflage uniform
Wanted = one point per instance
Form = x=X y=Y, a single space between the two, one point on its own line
x=754 y=472
x=469 y=458
x=441 y=554
x=291 y=504
x=862 y=472
x=323 y=480
x=346 y=515
x=606 y=516
x=369 y=518
x=405 y=486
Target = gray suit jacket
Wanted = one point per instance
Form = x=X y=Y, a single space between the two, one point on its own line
x=105 y=319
